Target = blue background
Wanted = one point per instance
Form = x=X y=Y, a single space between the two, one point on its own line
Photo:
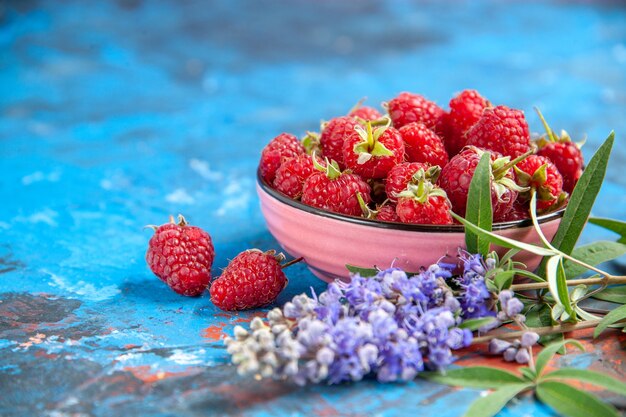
x=116 y=114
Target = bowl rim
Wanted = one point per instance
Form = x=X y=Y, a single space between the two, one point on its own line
x=425 y=228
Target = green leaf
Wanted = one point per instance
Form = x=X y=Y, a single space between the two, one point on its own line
x=504 y=241
x=475 y=324
x=582 y=199
x=572 y=402
x=548 y=352
x=528 y=373
x=557 y=283
x=364 y=272
x=530 y=275
x=614 y=316
x=615 y=294
x=475 y=377
x=542 y=317
x=479 y=210
x=590 y=377
x=504 y=279
x=491 y=405
x=616 y=226
x=593 y=254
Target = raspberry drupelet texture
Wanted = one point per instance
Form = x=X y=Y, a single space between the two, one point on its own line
x=400 y=176
x=374 y=151
x=252 y=279
x=291 y=175
x=434 y=211
x=501 y=129
x=387 y=213
x=465 y=110
x=334 y=133
x=338 y=194
x=366 y=113
x=568 y=159
x=540 y=174
x=181 y=256
x=281 y=148
x=457 y=175
x=423 y=145
x=409 y=107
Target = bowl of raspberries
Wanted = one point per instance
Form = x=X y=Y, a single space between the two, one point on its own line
x=376 y=187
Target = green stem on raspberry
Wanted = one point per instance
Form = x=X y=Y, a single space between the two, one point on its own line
x=292 y=262
x=504 y=168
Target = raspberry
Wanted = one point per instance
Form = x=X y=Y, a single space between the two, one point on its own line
x=501 y=129
x=457 y=175
x=387 y=213
x=181 y=256
x=563 y=153
x=291 y=175
x=373 y=152
x=423 y=203
x=519 y=211
x=279 y=149
x=423 y=145
x=400 y=176
x=540 y=174
x=409 y=107
x=465 y=110
x=333 y=135
x=335 y=191
x=366 y=113
x=568 y=159
x=252 y=279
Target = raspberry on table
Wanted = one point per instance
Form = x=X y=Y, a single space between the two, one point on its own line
x=181 y=256
x=252 y=279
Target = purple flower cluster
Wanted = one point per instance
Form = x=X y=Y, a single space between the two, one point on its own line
x=475 y=298
x=392 y=325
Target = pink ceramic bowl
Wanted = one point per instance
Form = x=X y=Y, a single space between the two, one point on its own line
x=328 y=241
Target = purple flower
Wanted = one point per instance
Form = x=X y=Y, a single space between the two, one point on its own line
x=510 y=307
x=497 y=346
x=529 y=339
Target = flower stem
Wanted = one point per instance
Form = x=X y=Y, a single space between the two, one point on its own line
x=571 y=282
x=541 y=331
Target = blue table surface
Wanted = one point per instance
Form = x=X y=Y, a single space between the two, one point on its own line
x=116 y=114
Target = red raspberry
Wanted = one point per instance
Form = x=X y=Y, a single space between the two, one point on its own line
x=423 y=145
x=387 y=213
x=519 y=211
x=501 y=129
x=373 y=152
x=333 y=135
x=252 y=279
x=400 y=176
x=409 y=107
x=456 y=177
x=366 y=113
x=181 y=256
x=282 y=147
x=335 y=191
x=540 y=174
x=424 y=203
x=291 y=175
x=568 y=159
x=465 y=110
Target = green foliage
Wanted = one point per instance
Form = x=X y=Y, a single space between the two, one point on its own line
x=479 y=210
x=616 y=294
x=491 y=405
x=364 y=272
x=610 y=319
x=572 y=402
x=593 y=254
